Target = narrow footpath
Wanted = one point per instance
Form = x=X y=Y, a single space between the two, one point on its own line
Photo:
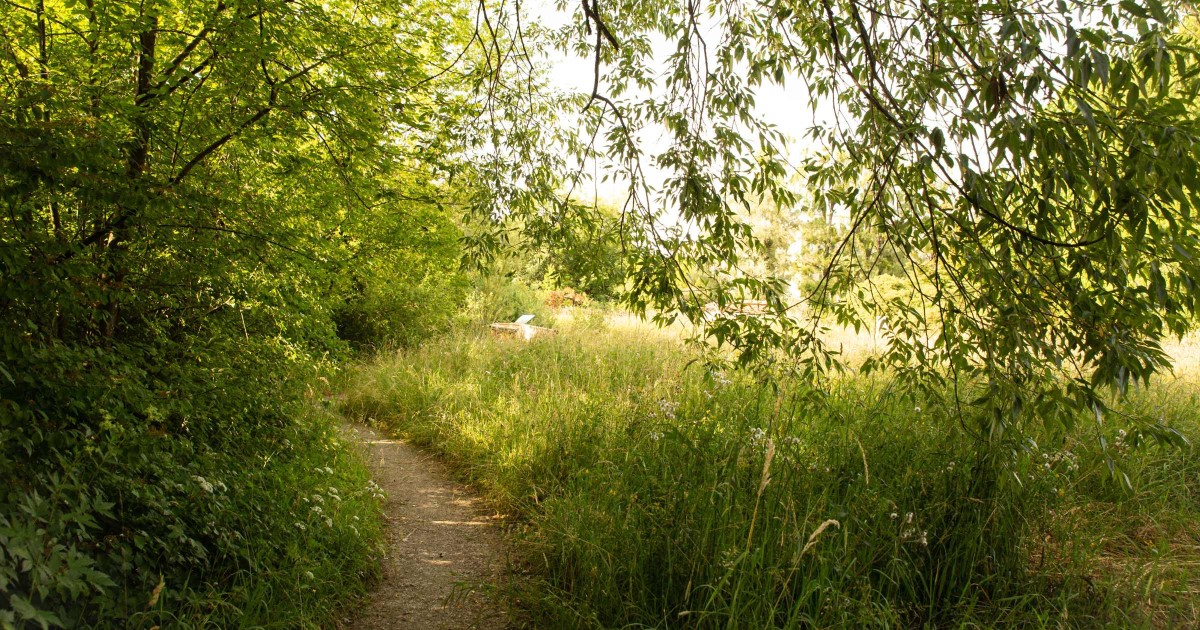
x=442 y=546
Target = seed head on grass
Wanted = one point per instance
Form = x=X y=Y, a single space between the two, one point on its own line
x=813 y=537
x=762 y=485
x=154 y=595
x=766 y=473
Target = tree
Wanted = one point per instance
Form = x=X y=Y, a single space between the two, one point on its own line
x=1032 y=164
x=190 y=190
x=197 y=140
x=582 y=250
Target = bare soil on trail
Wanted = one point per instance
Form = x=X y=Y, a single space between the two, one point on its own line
x=442 y=545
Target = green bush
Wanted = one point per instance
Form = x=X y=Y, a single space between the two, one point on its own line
x=404 y=285
x=584 y=250
x=499 y=299
x=177 y=493
x=399 y=311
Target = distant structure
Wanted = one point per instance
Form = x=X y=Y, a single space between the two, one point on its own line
x=520 y=329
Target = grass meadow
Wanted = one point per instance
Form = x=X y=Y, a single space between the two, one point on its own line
x=648 y=492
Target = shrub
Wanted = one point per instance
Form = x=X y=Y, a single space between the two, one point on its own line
x=399 y=311
x=566 y=297
x=170 y=493
x=500 y=299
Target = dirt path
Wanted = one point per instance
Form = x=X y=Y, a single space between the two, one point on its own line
x=441 y=545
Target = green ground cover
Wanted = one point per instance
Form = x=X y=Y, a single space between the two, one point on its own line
x=649 y=491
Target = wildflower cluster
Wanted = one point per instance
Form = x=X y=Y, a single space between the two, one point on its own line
x=1125 y=441
x=1064 y=460
x=323 y=505
x=1052 y=468
x=729 y=558
x=909 y=532
x=210 y=487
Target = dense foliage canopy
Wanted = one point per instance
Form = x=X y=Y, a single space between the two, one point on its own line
x=1031 y=167
x=197 y=199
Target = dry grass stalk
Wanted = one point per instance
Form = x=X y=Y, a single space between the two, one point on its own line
x=766 y=473
x=813 y=537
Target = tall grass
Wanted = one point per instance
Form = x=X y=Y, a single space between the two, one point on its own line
x=656 y=494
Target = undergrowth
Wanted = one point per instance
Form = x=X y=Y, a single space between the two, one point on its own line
x=175 y=494
x=654 y=493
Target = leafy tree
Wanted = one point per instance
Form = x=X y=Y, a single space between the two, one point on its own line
x=582 y=249
x=1032 y=166
x=1029 y=169
x=776 y=230
x=190 y=192
x=875 y=262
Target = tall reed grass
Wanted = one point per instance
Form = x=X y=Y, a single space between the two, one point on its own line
x=653 y=493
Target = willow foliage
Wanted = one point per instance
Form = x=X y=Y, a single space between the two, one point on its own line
x=1032 y=164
